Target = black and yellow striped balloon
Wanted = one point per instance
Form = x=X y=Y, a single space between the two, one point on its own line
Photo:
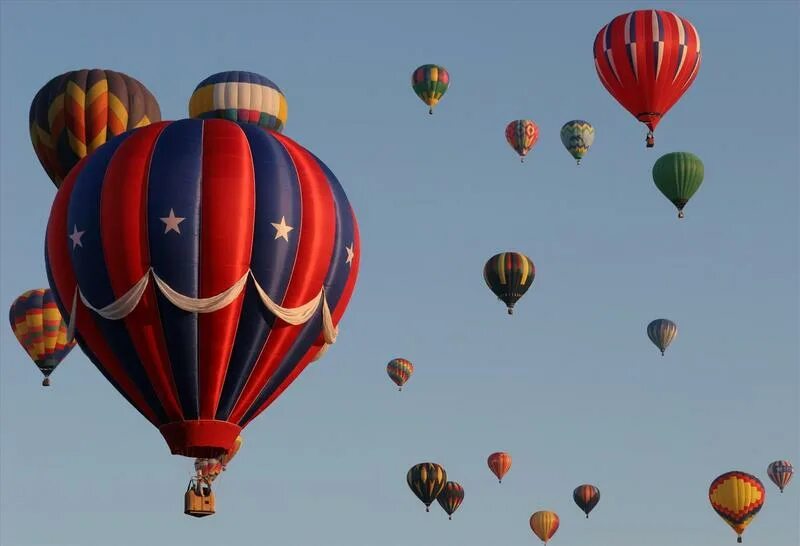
x=509 y=275
x=427 y=481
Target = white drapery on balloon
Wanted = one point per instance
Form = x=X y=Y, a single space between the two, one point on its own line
x=123 y=306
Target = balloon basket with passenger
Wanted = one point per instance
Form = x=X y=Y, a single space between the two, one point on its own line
x=198 y=501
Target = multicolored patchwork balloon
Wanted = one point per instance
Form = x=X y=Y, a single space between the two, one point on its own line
x=430 y=83
x=38 y=326
x=399 y=370
x=737 y=497
x=77 y=112
x=245 y=97
x=521 y=135
x=577 y=136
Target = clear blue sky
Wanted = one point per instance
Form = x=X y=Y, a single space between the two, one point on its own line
x=570 y=384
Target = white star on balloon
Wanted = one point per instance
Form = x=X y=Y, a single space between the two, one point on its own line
x=172 y=222
x=281 y=229
x=76 y=237
x=350 y=254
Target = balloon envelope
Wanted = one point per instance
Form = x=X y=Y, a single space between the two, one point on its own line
x=678 y=176
x=646 y=60
x=780 y=472
x=586 y=496
x=430 y=83
x=544 y=524
x=509 y=275
x=577 y=136
x=451 y=497
x=38 y=326
x=231 y=257
x=399 y=371
x=662 y=332
x=77 y=112
x=521 y=135
x=737 y=497
x=499 y=463
x=427 y=481
x=245 y=97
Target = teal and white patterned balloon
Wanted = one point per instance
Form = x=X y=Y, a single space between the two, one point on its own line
x=577 y=136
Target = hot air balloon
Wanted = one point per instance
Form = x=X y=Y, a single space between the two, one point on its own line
x=78 y=111
x=499 y=463
x=678 y=176
x=586 y=496
x=521 y=135
x=430 y=83
x=509 y=275
x=577 y=136
x=399 y=370
x=661 y=332
x=39 y=328
x=231 y=257
x=647 y=59
x=737 y=497
x=427 y=481
x=451 y=498
x=544 y=525
x=245 y=97
x=780 y=472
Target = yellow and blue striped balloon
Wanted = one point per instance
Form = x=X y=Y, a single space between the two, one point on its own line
x=40 y=329
x=244 y=97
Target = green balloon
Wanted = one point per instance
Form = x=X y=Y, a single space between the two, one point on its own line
x=678 y=176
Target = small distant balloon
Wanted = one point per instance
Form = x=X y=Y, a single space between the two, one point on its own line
x=662 y=332
x=244 y=97
x=430 y=83
x=780 y=472
x=678 y=176
x=499 y=463
x=39 y=327
x=509 y=275
x=427 y=481
x=577 y=136
x=521 y=135
x=586 y=496
x=399 y=370
x=544 y=524
x=451 y=498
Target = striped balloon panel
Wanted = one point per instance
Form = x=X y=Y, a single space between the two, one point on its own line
x=662 y=332
x=430 y=82
x=544 y=525
x=451 y=497
x=509 y=275
x=38 y=326
x=202 y=202
x=399 y=370
x=521 y=135
x=780 y=472
x=586 y=497
x=244 y=97
x=577 y=136
x=737 y=497
x=76 y=112
x=646 y=60
x=426 y=480
x=499 y=463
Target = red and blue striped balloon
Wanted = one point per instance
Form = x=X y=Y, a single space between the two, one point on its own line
x=218 y=218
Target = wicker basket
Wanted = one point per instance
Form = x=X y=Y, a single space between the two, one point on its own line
x=198 y=501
